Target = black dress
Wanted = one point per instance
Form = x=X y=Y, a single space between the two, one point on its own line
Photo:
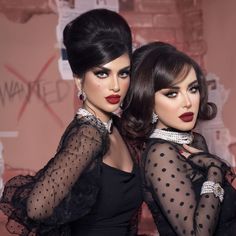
x=117 y=201
x=75 y=186
x=172 y=186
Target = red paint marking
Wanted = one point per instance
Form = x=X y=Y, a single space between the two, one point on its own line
x=38 y=77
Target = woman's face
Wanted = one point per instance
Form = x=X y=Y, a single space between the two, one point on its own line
x=177 y=106
x=105 y=86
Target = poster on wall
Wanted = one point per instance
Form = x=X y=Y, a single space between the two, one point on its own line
x=216 y=134
x=67 y=13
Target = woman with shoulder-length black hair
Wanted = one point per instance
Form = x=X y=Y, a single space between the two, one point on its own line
x=187 y=189
x=92 y=186
x=152 y=61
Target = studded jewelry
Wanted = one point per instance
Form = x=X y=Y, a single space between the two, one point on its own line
x=154 y=118
x=108 y=125
x=212 y=187
x=172 y=136
x=81 y=95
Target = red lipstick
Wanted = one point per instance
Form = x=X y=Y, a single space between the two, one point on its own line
x=187 y=117
x=113 y=99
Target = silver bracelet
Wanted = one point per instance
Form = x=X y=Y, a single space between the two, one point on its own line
x=212 y=187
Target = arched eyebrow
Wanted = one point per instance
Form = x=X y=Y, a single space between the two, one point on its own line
x=127 y=68
x=177 y=87
x=105 y=69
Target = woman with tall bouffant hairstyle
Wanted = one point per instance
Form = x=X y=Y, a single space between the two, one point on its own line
x=187 y=189
x=92 y=186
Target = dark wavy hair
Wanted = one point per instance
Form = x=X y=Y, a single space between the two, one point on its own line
x=94 y=38
x=155 y=66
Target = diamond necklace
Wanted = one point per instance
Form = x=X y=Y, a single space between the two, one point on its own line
x=173 y=136
x=108 y=125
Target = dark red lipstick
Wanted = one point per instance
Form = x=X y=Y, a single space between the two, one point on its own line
x=113 y=99
x=187 y=117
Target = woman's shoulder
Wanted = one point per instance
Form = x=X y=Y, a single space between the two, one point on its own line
x=160 y=143
x=197 y=135
x=160 y=147
x=199 y=142
x=85 y=126
x=87 y=122
x=162 y=153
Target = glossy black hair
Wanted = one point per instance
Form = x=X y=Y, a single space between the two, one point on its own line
x=95 y=38
x=155 y=66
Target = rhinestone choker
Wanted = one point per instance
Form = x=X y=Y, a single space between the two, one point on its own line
x=173 y=136
x=108 y=125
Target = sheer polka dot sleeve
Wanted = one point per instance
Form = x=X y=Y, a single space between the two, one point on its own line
x=168 y=175
x=199 y=142
x=77 y=150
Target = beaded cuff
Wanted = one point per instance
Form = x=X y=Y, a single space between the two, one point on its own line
x=212 y=187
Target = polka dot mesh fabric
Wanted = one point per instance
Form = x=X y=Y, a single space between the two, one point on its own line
x=50 y=198
x=169 y=179
x=81 y=146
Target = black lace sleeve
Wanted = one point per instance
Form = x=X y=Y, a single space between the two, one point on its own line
x=79 y=148
x=45 y=199
x=168 y=175
x=199 y=142
x=159 y=219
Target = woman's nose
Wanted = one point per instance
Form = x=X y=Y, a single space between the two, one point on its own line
x=115 y=85
x=187 y=101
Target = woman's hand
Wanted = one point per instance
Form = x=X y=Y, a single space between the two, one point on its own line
x=208 y=162
x=188 y=150
x=203 y=160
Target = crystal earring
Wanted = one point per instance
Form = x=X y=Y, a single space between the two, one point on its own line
x=154 y=118
x=81 y=95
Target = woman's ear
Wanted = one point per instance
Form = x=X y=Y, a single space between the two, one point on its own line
x=79 y=85
x=78 y=82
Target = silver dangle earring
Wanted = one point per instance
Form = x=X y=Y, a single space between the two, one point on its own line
x=154 y=118
x=81 y=95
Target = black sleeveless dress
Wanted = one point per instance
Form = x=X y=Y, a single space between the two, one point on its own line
x=117 y=201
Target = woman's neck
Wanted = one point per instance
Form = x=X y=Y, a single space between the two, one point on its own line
x=175 y=136
x=103 y=116
x=84 y=112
